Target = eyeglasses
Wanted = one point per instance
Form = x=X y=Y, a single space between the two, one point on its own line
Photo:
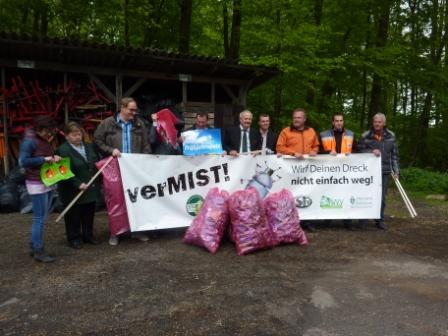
x=132 y=110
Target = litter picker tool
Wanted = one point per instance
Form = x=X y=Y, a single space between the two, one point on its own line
x=68 y=207
x=405 y=197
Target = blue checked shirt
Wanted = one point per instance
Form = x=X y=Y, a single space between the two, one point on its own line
x=126 y=138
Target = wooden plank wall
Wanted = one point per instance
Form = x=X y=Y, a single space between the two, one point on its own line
x=191 y=108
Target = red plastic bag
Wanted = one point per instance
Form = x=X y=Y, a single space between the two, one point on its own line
x=250 y=230
x=114 y=197
x=283 y=218
x=209 y=225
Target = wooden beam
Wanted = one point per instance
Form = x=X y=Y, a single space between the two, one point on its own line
x=184 y=93
x=213 y=92
x=66 y=103
x=71 y=68
x=242 y=92
x=5 y=126
x=134 y=87
x=230 y=93
x=103 y=87
x=118 y=90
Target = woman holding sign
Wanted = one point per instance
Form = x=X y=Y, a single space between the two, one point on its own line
x=82 y=163
x=35 y=150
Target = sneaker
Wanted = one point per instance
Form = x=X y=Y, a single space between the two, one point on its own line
x=42 y=256
x=113 y=240
x=140 y=236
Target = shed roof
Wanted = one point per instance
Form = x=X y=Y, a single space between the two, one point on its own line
x=90 y=56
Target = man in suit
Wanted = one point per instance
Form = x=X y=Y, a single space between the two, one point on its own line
x=268 y=137
x=241 y=138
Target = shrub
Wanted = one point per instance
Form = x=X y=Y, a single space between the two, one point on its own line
x=421 y=180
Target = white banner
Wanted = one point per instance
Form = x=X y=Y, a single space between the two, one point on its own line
x=163 y=191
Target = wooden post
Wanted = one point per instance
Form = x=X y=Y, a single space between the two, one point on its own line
x=65 y=99
x=213 y=93
x=118 y=90
x=184 y=96
x=5 y=126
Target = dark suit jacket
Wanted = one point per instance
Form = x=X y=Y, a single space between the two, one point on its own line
x=271 y=140
x=232 y=139
x=83 y=171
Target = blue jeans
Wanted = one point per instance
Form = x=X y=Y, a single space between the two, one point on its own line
x=41 y=206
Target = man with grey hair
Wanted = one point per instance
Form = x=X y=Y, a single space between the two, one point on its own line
x=241 y=138
x=381 y=141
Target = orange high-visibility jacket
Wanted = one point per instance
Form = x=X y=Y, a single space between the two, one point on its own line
x=329 y=141
x=291 y=141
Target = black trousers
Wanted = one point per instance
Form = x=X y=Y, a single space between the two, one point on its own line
x=80 y=216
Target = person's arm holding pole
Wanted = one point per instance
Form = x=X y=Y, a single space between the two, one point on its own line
x=82 y=191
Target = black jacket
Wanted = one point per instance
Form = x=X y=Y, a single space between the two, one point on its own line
x=271 y=140
x=232 y=139
x=388 y=147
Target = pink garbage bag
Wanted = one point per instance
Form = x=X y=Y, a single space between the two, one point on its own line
x=283 y=218
x=207 y=229
x=114 y=197
x=249 y=228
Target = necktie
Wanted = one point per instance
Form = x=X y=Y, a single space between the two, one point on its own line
x=244 y=147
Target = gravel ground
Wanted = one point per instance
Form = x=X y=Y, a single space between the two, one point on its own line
x=362 y=282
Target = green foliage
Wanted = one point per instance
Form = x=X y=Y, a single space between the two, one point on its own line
x=425 y=181
x=329 y=53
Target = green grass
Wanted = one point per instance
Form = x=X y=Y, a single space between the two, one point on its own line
x=421 y=182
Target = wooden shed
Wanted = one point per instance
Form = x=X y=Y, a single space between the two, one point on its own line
x=194 y=83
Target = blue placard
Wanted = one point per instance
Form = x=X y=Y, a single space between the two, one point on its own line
x=203 y=141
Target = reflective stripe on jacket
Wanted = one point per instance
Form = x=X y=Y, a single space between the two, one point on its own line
x=329 y=141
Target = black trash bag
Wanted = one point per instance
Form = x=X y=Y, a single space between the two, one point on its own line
x=9 y=197
x=25 y=204
x=16 y=175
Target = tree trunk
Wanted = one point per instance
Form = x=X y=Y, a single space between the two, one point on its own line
x=24 y=20
x=234 y=50
x=364 y=98
x=438 y=41
x=126 y=22
x=278 y=86
x=225 y=18
x=185 y=25
x=318 y=6
x=376 y=101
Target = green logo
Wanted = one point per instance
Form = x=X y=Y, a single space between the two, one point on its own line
x=330 y=203
x=194 y=204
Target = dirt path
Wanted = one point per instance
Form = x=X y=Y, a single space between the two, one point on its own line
x=344 y=283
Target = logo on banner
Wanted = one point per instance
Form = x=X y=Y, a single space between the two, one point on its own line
x=331 y=203
x=194 y=204
x=303 y=201
x=361 y=202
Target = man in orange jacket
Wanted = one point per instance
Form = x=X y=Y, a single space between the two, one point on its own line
x=298 y=140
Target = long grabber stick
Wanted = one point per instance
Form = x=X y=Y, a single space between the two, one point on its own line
x=67 y=208
x=405 y=197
